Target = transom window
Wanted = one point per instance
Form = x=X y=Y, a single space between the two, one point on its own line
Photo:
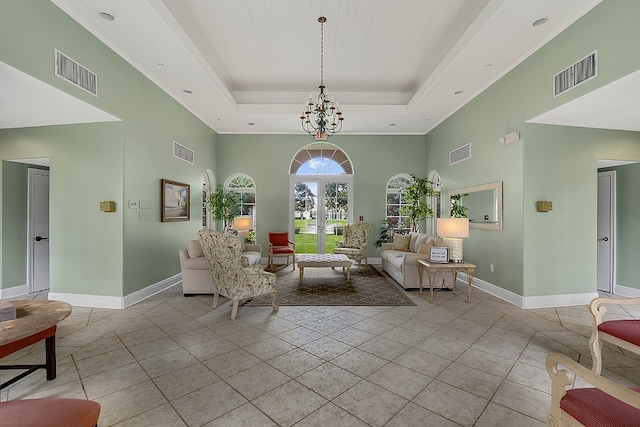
x=396 y=199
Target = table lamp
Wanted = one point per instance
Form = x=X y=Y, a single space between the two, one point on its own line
x=452 y=230
x=242 y=225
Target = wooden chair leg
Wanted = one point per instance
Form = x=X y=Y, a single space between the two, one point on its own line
x=234 y=310
x=215 y=299
x=273 y=302
x=595 y=345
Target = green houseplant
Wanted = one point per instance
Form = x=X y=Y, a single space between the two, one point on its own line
x=415 y=195
x=224 y=206
x=457 y=210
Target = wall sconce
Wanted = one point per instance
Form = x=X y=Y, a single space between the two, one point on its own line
x=510 y=138
x=544 y=206
x=108 y=206
x=452 y=230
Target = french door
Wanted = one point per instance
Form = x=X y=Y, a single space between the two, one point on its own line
x=320 y=207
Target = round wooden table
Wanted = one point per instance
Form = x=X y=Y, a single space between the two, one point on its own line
x=36 y=320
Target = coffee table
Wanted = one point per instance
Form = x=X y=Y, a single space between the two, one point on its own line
x=324 y=260
x=37 y=320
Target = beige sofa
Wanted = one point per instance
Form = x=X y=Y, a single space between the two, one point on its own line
x=196 y=276
x=401 y=264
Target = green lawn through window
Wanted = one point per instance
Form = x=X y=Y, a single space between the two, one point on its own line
x=307 y=241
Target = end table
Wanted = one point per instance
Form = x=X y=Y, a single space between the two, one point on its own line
x=433 y=267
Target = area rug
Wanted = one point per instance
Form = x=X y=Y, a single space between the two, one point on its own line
x=326 y=287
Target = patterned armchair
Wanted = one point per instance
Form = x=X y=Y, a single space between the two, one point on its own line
x=232 y=276
x=354 y=243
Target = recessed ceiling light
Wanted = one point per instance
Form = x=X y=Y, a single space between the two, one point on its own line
x=392 y=124
x=540 y=21
x=186 y=91
x=107 y=16
x=458 y=92
x=251 y=124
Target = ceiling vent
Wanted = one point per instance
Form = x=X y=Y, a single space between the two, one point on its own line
x=460 y=154
x=182 y=152
x=76 y=74
x=578 y=73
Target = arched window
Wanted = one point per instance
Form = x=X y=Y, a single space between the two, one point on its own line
x=395 y=200
x=246 y=188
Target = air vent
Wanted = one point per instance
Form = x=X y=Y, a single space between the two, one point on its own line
x=460 y=154
x=76 y=74
x=182 y=152
x=578 y=73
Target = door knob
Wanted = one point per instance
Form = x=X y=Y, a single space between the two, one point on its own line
x=604 y=239
x=38 y=238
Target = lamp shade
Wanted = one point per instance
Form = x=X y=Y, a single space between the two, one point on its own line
x=242 y=223
x=453 y=227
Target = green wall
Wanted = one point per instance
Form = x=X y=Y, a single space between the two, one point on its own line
x=267 y=159
x=553 y=253
x=92 y=252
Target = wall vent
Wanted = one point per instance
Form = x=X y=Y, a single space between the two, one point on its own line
x=76 y=74
x=460 y=154
x=578 y=73
x=182 y=152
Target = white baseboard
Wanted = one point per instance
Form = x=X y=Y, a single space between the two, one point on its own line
x=102 y=301
x=14 y=291
x=625 y=291
x=540 y=301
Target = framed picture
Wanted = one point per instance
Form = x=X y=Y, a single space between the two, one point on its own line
x=175 y=198
x=439 y=254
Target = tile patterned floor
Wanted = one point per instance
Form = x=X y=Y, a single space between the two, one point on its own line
x=172 y=361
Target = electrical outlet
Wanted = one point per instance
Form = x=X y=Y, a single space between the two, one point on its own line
x=133 y=204
x=491 y=268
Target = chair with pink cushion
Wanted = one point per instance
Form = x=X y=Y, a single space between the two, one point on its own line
x=281 y=246
x=605 y=404
x=49 y=412
x=625 y=333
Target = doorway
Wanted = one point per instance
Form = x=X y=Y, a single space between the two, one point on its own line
x=321 y=208
x=38 y=234
x=606 y=231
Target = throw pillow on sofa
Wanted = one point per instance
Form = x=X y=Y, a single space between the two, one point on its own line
x=401 y=242
x=424 y=247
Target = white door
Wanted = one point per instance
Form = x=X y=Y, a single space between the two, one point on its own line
x=320 y=208
x=606 y=218
x=38 y=211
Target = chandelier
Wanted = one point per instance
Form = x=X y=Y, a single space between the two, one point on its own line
x=325 y=118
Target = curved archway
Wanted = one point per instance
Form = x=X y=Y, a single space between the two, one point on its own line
x=208 y=185
x=321 y=197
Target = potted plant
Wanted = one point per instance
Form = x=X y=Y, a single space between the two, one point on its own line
x=415 y=195
x=457 y=210
x=386 y=233
x=224 y=206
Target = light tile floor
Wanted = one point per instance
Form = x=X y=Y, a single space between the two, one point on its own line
x=173 y=361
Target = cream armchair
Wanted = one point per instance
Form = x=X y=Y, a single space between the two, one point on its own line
x=354 y=243
x=232 y=275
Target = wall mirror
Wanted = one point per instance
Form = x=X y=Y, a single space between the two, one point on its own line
x=484 y=205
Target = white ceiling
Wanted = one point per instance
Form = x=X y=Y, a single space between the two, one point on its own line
x=387 y=62
x=26 y=101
